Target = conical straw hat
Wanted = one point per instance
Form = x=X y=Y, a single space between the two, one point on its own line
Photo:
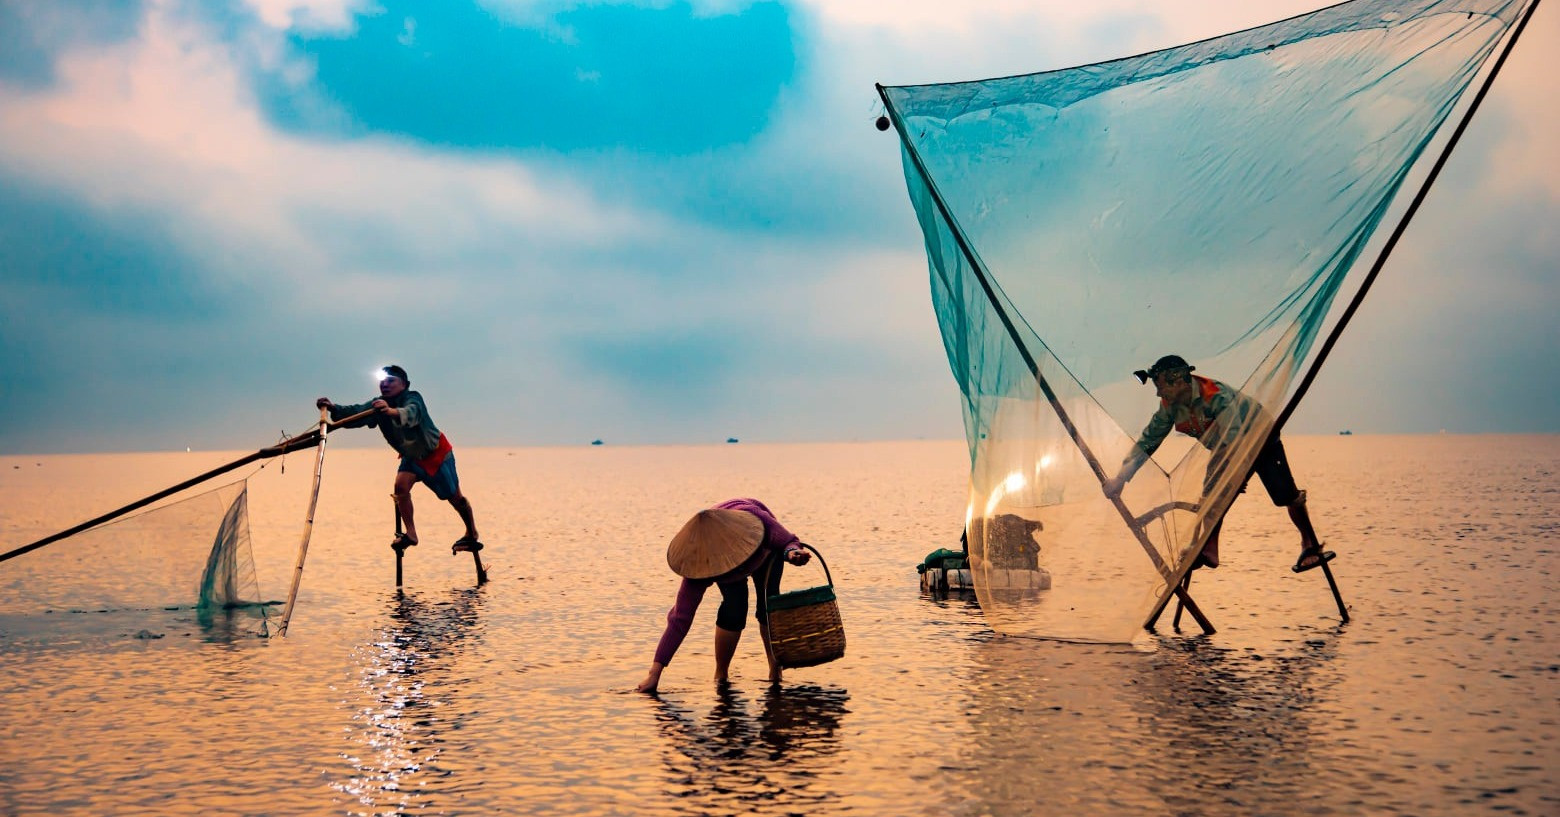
x=714 y=542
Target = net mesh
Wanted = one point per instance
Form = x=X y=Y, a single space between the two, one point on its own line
x=1208 y=201
x=183 y=566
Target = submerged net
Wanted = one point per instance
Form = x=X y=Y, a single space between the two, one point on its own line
x=1209 y=201
x=185 y=567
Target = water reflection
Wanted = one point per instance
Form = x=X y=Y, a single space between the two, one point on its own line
x=229 y=622
x=1238 y=728
x=952 y=597
x=732 y=762
x=415 y=699
x=103 y=627
x=1214 y=730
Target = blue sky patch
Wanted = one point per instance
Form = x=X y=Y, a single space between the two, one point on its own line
x=452 y=74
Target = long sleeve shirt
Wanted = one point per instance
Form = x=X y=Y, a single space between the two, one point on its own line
x=411 y=433
x=1216 y=415
x=777 y=541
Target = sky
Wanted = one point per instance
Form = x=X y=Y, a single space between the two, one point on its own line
x=643 y=222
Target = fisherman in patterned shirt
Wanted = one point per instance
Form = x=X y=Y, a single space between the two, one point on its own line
x=1216 y=414
x=426 y=454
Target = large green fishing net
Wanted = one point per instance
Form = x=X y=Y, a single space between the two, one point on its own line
x=1209 y=201
x=184 y=567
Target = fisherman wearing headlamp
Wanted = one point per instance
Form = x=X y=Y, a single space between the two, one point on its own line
x=1216 y=414
x=426 y=456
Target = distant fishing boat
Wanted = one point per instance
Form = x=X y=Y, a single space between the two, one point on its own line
x=595 y=442
x=731 y=439
x=1345 y=433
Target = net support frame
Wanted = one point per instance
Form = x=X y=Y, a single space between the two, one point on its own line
x=1172 y=579
x=1370 y=278
x=308 y=524
x=1178 y=583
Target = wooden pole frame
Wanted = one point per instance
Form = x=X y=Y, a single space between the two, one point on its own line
x=1169 y=575
x=308 y=524
x=400 y=552
x=1375 y=269
x=1179 y=583
x=302 y=442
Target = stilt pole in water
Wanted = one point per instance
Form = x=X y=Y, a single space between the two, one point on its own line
x=476 y=559
x=399 y=551
x=1343 y=612
x=1186 y=584
x=308 y=523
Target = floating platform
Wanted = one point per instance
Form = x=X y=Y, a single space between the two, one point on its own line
x=946 y=570
x=943 y=580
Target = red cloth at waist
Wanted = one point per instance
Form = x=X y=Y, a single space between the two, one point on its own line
x=432 y=462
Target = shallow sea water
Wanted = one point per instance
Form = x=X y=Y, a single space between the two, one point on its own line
x=1442 y=696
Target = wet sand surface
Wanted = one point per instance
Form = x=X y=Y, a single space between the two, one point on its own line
x=1442 y=696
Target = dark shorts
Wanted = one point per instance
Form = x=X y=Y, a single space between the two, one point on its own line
x=444 y=483
x=1273 y=467
x=732 y=614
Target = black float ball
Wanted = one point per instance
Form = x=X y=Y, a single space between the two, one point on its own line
x=882 y=123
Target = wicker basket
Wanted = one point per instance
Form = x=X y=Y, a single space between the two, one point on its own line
x=804 y=625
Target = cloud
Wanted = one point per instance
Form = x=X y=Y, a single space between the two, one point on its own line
x=32 y=35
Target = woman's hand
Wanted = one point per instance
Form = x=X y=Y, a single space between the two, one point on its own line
x=799 y=556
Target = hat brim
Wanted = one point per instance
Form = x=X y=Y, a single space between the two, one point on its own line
x=714 y=542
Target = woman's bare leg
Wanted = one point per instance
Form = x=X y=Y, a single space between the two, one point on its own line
x=725 y=647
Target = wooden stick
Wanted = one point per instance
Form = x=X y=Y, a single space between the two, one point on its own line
x=303 y=441
x=308 y=523
x=1172 y=579
x=1186 y=584
x=482 y=576
x=1343 y=612
x=399 y=552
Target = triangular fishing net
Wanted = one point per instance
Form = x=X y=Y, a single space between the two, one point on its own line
x=185 y=568
x=1209 y=201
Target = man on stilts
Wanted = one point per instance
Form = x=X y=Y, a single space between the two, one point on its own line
x=1215 y=413
x=426 y=455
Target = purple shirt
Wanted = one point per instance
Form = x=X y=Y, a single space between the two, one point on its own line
x=776 y=540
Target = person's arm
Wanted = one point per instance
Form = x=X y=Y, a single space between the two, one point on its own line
x=338 y=411
x=678 y=620
x=410 y=413
x=1148 y=442
x=776 y=536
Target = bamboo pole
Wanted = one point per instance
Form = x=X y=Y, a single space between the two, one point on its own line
x=1343 y=612
x=308 y=523
x=399 y=551
x=1186 y=583
x=303 y=441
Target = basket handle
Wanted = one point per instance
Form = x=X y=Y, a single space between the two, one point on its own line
x=826 y=575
